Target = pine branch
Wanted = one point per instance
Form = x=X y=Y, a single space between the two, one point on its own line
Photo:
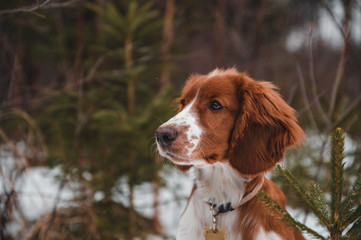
x=355 y=231
x=351 y=202
x=290 y=180
x=318 y=198
x=344 y=215
x=286 y=217
x=337 y=148
x=355 y=215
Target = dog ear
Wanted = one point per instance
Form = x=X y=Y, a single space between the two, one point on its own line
x=264 y=128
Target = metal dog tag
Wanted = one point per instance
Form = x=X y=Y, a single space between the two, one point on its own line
x=209 y=234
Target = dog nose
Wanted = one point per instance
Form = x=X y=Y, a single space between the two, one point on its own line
x=165 y=136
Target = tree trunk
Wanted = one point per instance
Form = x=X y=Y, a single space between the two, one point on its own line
x=166 y=42
x=219 y=33
x=131 y=153
x=164 y=81
x=16 y=85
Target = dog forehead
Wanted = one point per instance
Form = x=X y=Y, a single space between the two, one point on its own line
x=192 y=86
x=217 y=87
x=206 y=87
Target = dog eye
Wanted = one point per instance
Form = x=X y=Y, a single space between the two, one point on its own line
x=215 y=106
x=183 y=102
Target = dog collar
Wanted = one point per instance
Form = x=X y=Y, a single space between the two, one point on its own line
x=227 y=207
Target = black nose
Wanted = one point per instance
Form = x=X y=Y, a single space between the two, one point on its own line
x=165 y=136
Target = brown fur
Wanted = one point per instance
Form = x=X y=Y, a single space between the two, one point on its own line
x=265 y=127
x=256 y=127
x=254 y=213
x=252 y=132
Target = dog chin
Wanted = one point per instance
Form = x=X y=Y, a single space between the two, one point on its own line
x=180 y=160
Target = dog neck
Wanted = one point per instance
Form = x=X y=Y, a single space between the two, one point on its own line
x=220 y=183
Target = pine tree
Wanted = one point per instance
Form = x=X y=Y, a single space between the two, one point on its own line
x=340 y=217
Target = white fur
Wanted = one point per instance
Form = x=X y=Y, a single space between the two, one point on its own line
x=213 y=73
x=219 y=72
x=188 y=118
x=220 y=184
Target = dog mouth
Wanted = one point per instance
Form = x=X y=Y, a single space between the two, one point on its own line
x=180 y=160
x=176 y=158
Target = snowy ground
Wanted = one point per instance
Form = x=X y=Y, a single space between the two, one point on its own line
x=37 y=201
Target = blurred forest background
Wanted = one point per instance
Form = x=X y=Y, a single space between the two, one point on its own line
x=84 y=84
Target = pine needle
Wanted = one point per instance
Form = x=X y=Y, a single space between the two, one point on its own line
x=318 y=198
x=337 y=149
x=343 y=215
x=286 y=217
x=351 y=202
x=290 y=180
x=355 y=231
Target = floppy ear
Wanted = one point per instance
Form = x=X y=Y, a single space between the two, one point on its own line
x=265 y=127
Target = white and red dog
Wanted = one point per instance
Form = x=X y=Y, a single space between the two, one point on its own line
x=232 y=129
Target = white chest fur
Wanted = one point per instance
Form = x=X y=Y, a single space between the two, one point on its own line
x=217 y=183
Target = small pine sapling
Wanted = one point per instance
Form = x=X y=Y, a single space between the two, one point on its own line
x=341 y=217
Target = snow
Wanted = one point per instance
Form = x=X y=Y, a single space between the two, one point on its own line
x=37 y=201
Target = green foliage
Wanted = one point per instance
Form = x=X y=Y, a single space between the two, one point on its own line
x=285 y=216
x=340 y=217
x=88 y=126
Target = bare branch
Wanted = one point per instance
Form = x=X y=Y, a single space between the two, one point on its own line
x=291 y=94
x=348 y=110
x=339 y=76
x=329 y=10
x=312 y=102
x=321 y=158
x=70 y=3
x=313 y=82
x=55 y=207
x=305 y=98
x=344 y=55
x=14 y=148
x=46 y=4
x=26 y=9
x=6 y=176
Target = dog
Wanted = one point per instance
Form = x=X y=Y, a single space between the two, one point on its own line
x=231 y=129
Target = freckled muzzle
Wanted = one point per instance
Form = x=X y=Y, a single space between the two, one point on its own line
x=165 y=136
x=179 y=137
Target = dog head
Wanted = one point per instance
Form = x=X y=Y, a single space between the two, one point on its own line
x=226 y=116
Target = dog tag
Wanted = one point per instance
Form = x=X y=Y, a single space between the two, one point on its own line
x=210 y=235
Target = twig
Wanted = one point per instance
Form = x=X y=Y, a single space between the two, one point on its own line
x=343 y=58
x=321 y=158
x=313 y=81
x=291 y=94
x=339 y=76
x=62 y=5
x=26 y=9
x=6 y=176
x=7 y=140
x=312 y=102
x=305 y=98
x=347 y=111
x=54 y=211
x=44 y=5
x=328 y=9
